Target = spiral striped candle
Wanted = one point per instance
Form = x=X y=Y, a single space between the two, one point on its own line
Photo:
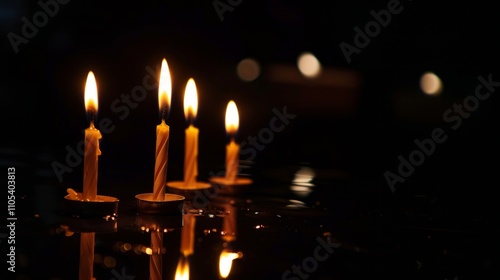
x=156 y=260
x=162 y=135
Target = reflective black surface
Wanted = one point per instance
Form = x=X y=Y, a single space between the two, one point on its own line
x=320 y=228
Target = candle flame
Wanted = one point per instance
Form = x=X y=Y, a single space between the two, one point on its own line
x=182 y=271
x=226 y=262
x=190 y=100
x=91 y=93
x=164 y=88
x=232 y=118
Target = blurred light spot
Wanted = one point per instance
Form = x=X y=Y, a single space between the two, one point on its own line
x=147 y=250
x=431 y=84
x=248 y=69
x=138 y=249
x=126 y=247
x=302 y=183
x=109 y=262
x=309 y=65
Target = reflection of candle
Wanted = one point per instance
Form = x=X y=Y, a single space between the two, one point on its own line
x=226 y=262
x=92 y=136
x=187 y=235
x=229 y=224
x=232 y=149
x=191 y=149
x=156 y=262
x=87 y=240
x=162 y=133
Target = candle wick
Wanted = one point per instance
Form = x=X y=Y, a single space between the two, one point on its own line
x=91 y=115
x=190 y=116
x=163 y=114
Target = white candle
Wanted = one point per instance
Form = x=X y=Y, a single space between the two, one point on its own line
x=232 y=149
x=92 y=137
x=191 y=133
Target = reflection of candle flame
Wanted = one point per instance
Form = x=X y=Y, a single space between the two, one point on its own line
x=232 y=118
x=226 y=262
x=87 y=241
x=182 y=271
x=190 y=101
x=164 y=89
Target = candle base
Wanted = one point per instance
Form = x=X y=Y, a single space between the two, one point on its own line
x=172 y=204
x=103 y=206
x=189 y=192
x=238 y=185
x=181 y=185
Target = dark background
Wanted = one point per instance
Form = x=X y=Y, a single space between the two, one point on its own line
x=352 y=130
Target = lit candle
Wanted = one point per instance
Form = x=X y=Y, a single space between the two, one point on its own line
x=191 y=148
x=92 y=136
x=232 y=149
x=162 y=133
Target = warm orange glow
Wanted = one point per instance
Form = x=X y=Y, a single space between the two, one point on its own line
x=232 y=118
x=190 y=100
x=226 y=262
x=165 y=87
x=431 y=84
x=309 y=65
x=182 y=271
x=91 y=93
x=248 y=69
